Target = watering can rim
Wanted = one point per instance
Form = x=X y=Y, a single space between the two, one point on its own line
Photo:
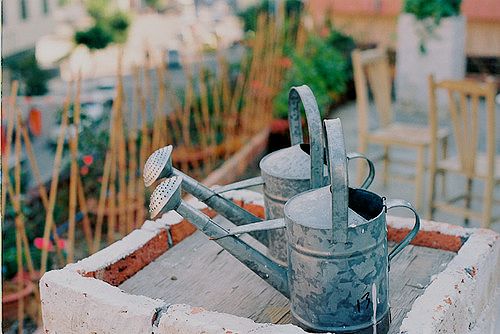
x=329 y=226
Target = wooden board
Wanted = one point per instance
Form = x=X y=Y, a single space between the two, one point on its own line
x=199 y=272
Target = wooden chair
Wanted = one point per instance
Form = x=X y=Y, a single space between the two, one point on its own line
x=371 y=71
x=464 y=111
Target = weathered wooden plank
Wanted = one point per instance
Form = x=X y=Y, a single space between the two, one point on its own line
x=199 y=273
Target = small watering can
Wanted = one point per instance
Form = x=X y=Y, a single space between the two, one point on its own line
x=293 y=170
x=338 y=260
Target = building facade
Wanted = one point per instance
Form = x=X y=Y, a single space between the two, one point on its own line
x=24 y=22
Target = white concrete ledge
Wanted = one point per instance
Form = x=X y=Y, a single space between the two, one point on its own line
x=455 y=302
x=460 y=298
x=75 y=304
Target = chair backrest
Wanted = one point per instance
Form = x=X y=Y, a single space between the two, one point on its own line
x=464 y=111
x=371 y=72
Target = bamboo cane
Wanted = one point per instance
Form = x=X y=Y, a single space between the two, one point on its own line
x=82 y=203
x=10 y=131
x=205 y=115
x=121 y=154
x=102 y=202
x=41 y=188
x=111 y=201
x=144 y=151
x=186 y=119
x=19 y=248
x=20 y=303
x=73 y=143
x=148 y=90
x=132 y=148
x=49 y=217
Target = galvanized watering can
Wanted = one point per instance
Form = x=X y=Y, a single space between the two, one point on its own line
x=293 y=170
x=338 y=260
x=285 y=173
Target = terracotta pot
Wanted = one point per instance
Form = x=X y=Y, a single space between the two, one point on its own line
x=10 y=299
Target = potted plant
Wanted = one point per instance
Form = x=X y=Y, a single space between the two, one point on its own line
x=431 y=39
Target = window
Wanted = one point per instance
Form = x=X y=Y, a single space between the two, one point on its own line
x=24 y=9
x=3 y=13
x=45 y=4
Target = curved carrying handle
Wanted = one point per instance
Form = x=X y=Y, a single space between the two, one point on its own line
x=337 y=166
x=303 y=93
x=371 y=168
x=399 y=203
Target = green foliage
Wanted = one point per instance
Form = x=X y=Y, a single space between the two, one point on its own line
x=119 y=23
x=95 y=38
x=324 y=66
x=293 y=8
x=32 y=77
x=436 y=9
x=111 y=26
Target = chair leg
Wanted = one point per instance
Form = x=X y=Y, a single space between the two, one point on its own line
x=468 y=199
x=444 y=155
x=419 y=177
x=432 y=191
x=386 y=165
x=361 y=168
x=489 y=187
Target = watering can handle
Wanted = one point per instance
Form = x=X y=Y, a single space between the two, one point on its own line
x=337 y=166
x=305 y=95
x=399 y=203
x=371 y=168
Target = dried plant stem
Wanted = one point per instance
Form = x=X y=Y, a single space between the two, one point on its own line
x=49 y=217
x=20 y=303
x=111 y=201
x=41 y=188
x=132 y=148
x=120 y=142
x=73 y=183
x=10 y=131
x=102 y=202
x=144 y=151
x=82 y=203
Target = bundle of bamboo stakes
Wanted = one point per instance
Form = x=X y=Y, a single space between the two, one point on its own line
x=214 y=115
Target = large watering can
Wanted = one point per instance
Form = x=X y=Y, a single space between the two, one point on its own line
x=338 y=260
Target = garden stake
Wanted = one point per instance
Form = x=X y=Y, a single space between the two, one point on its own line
x=111 y=201
x=20 y=303
x=132 y=148
x=49 y=216
x=102 y=202
x=144 y=148
x=82 y=202
x=10 y=131
x=41 y=188
x=73 y=143
x=120 y=141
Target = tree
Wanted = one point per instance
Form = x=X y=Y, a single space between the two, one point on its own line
x=110 y=26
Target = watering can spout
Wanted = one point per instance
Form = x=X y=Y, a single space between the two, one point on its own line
x=167 y=196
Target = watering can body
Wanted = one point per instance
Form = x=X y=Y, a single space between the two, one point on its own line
x=333 y=285
x=338 y=259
